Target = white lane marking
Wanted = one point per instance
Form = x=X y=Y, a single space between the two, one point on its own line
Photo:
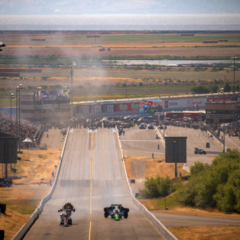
x=155 y=153
x=161 y=138
x=140 y=140
x=233 y=143
x=92 y=131
x=198 y=134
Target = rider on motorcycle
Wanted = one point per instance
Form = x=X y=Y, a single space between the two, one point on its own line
x=68 y=208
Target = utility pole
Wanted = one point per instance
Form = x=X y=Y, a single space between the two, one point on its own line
x=19 y=111
x=126 y=90
x=11 y=98
x=234 y=59
x=71 y=109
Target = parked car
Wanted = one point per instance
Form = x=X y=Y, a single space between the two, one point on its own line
x=199 y=151
x=125 y=125
x=142 y=126
x=150 y=126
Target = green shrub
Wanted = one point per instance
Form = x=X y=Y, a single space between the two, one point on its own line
x=217 y=185
x=159 y=187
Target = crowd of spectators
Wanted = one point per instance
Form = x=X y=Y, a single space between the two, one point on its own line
x=27 y=129
x=231 y=129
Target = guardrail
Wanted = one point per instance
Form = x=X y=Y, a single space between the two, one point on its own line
x=165 y=232
x=24 y=229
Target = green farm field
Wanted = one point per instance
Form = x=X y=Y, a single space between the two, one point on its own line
x=118 y=38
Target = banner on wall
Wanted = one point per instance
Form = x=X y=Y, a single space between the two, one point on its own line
x=219 y=99
x=51 y=95
x=150 y=106
x=125 y=107
x=189 y=103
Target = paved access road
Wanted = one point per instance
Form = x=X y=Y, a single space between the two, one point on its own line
x=92 y=178
x=178 y=220
x=141 y=142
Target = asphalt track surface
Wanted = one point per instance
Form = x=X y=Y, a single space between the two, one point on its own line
x=92 y=178
x=141 y=142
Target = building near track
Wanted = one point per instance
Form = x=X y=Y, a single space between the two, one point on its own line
x=222 y=112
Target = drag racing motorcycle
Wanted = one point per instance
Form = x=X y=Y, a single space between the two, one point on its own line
x=116 y=211
x=65 y=217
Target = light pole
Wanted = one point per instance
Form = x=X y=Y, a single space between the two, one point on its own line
x=19 y=116
x=234 y=59
x=222 y=91
x=71 y=109
x=11 y=97
x=42 y=103
x=126 y=90
x=17 y=89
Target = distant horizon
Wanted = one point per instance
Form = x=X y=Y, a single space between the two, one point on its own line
x=137 y=22
x=79 y=7
x=114 y=14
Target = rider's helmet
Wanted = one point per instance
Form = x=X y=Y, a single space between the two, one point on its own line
x=68 y=203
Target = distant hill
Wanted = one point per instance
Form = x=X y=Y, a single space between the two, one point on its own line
x=45 y=7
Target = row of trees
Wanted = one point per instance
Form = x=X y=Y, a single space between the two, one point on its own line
x=213 y=88
x=213 y=186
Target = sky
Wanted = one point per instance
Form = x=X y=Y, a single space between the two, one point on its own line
x=77 y=7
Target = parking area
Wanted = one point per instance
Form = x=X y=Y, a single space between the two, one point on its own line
x=232 y=142
x=197 y=139
x=141 y=142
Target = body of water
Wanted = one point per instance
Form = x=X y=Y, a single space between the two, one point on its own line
x=169 y=62
x=196 y=22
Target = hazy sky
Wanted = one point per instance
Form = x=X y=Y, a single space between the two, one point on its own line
x=119 y=7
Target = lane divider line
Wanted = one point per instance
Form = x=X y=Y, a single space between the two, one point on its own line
x=90 y=226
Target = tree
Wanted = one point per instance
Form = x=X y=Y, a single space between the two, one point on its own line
x=196 y=168
x=213 y=186
x=227 y=87
x=200 y=89
x=214 y=88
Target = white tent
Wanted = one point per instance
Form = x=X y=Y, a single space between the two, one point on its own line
x=27 y=140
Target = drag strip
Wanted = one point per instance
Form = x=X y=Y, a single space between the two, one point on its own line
x=91 y=178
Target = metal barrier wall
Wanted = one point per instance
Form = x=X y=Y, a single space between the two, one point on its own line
x=23 y=230
x=165 y=232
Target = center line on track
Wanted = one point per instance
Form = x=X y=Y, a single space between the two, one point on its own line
x=90 y=226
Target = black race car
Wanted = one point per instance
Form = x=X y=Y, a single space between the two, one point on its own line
x=116 y=211
x=199 y=151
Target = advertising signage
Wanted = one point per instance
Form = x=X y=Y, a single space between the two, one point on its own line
x=219 y=99
x=125 y=107
x=191 y=103
x=151 y=106
x=51 y=95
